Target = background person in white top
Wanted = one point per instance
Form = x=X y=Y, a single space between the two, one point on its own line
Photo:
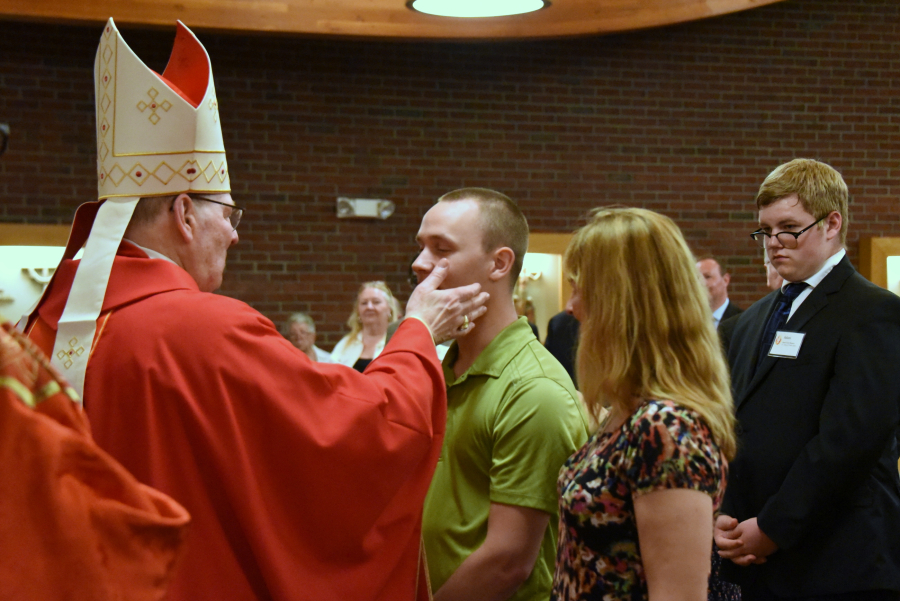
x=375 y=308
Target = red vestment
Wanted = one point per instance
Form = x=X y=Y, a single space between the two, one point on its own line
x=74 y=524
x=304 y=480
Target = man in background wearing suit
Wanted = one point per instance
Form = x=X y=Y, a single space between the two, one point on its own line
x=562 y=340
x=716 y=280
x=726 y=326
x=812 y=509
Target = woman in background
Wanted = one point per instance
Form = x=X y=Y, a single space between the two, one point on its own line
x=375 y=308
x=637 y=502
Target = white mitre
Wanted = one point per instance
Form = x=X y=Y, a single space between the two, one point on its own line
x=157 y=135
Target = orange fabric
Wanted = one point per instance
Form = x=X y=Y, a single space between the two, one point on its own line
x=73 y=523
x=304 y=480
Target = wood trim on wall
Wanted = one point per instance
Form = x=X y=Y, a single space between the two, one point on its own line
x=385 y=19
x=24 y=234
x=873 y=254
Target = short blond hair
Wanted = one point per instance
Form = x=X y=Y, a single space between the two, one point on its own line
x=819 y=186
x=647 y=328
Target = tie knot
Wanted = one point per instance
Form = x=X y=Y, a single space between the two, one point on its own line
x=793 y=290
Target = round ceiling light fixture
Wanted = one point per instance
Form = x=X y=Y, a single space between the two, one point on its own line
x=476 y=8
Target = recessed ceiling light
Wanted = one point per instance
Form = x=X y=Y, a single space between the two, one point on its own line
x=476 y=8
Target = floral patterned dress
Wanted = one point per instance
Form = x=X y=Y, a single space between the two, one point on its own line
x=661 y=445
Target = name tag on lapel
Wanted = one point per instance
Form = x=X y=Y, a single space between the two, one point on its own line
x=786 y=345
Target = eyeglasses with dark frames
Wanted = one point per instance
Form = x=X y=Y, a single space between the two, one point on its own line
x=236 y=212
x=786 y=239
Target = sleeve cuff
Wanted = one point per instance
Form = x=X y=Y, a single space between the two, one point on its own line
x=422 y=321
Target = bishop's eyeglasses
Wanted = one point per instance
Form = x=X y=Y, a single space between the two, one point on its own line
x=786 y=239
x=236 y=211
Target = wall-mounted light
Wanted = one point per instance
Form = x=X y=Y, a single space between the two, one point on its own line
x=364 y=208
x=476 y=8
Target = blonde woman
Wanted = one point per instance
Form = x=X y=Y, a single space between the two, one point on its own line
x=637 y=501
x=374 y=309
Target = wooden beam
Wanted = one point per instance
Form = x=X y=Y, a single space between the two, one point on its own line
x=388 y=19
x=25 y=234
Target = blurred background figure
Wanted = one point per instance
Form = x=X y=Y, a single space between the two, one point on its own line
x=4 y=137
x=301 y=331
x=562 y=340
x=638 y=499
x=773 y=279
x=716 y=280
x=76 y=524
x=374 y=309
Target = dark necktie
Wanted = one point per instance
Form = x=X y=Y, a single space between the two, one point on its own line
x=779 y=316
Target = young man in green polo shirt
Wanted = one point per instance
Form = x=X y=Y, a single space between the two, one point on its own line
x=491 y=514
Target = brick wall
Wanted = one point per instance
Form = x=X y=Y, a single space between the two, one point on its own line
x=685 y=120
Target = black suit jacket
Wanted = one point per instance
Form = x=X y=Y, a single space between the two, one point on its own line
x=727 y=324
x=562 y=340
x=726 y=331
x=817 y=456
x=730 y=311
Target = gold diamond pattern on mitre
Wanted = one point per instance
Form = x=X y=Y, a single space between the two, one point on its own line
x=116 y=174
x=209 y=171
x=190 y=170
x=138 y=174
x=164 y=173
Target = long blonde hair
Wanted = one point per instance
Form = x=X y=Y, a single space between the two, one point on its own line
x=647 y=327
x=354 y=323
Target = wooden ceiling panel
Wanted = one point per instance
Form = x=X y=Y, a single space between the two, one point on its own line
x=388 y=19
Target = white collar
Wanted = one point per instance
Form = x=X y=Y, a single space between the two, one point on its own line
x=718 y=313
x=817 y=278
x=149 y=251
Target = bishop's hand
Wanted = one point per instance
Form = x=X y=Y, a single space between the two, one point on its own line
x=447 y=313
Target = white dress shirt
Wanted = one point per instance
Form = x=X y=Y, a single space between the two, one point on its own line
x=718 y=313
x=815 y=280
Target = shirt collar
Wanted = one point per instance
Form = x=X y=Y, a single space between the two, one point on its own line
x=150 y=252
x=816 y=279
x=496 y=355
x=718 y=313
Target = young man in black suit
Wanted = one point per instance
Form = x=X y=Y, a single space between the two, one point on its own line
x=812 y=508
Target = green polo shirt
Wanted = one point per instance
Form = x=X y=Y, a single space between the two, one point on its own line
x=512 y=421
